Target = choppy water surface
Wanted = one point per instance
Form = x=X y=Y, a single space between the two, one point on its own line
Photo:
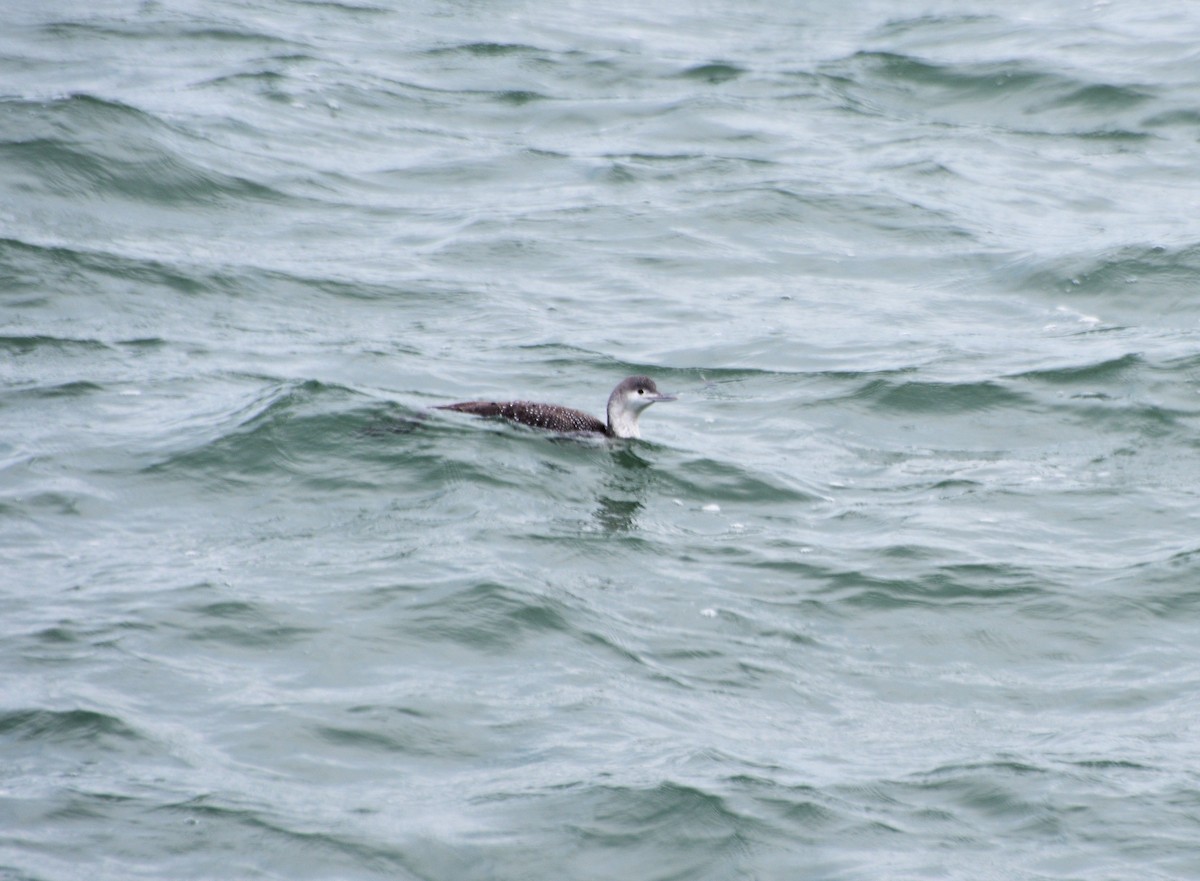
x=905 y=585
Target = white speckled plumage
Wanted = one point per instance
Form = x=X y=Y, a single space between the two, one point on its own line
x=631 y=396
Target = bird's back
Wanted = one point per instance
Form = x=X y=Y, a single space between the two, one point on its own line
x=549 y=417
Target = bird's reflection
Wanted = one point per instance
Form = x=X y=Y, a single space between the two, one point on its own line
x=624 y=491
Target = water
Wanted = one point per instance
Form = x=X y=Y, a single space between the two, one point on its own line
x=903 y=586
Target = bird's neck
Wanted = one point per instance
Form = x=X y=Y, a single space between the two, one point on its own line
x=623 y=423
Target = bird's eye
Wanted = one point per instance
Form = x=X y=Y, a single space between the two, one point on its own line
x=641 y=391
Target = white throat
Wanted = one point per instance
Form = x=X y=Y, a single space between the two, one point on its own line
x=623 y=422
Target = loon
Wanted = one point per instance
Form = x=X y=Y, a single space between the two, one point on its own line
x=631 y=396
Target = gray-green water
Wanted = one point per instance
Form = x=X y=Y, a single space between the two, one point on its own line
x=905 y=585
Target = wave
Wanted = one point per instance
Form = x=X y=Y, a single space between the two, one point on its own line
x=1019 y=95
x=66 y=727
x=87 y=147
x=1161 y=272
x=915 y=396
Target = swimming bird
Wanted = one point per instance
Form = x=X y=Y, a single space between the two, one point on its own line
x=631 y=396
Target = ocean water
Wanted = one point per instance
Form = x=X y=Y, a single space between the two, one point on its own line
x=906 y=584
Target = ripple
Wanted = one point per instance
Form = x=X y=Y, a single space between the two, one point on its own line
x=713 y=72
x=66 y=727
x=940 y=397
x=489 y=617
x=1104 y=371
x=1156 y=271
x=1019 y=95
x=38 y=344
